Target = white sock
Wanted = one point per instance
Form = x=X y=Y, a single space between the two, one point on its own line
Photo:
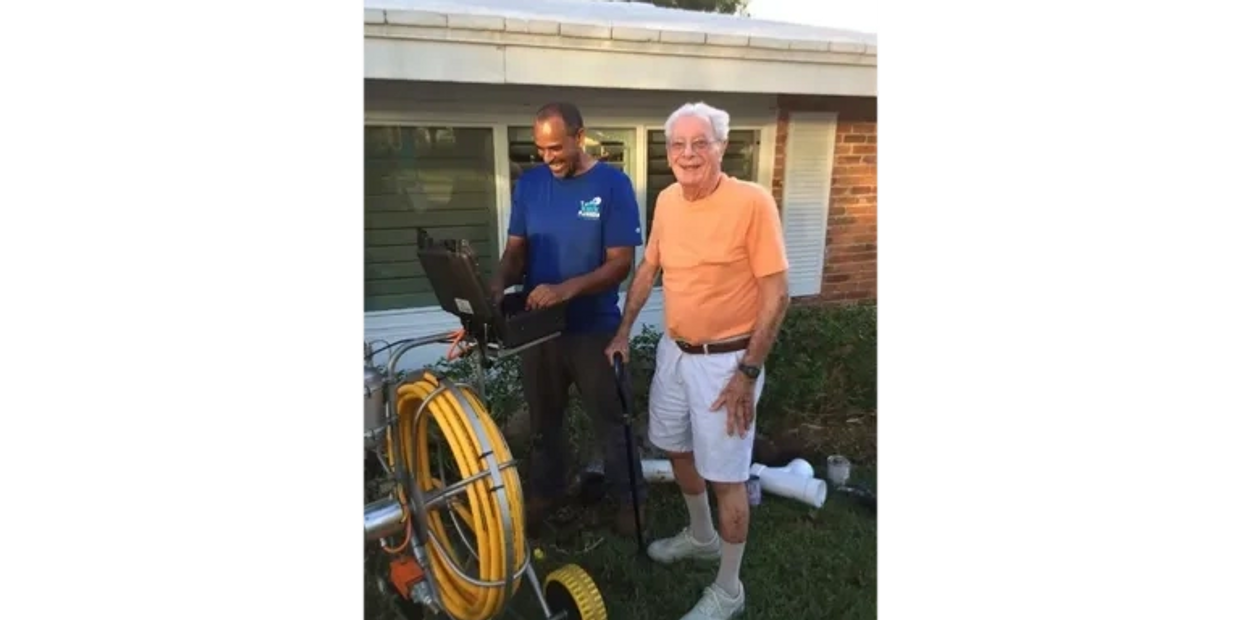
x=729 y=577
x=700 y=525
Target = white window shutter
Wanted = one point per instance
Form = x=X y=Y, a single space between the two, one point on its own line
x=807 y=189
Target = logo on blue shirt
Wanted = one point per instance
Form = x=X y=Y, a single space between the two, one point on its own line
x=589 y=210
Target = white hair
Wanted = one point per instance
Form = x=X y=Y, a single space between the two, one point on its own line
x=717 y=118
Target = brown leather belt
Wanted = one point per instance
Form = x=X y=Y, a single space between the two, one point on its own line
x=729 y=346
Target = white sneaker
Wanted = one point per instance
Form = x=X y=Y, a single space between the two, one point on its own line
x=715 y=604
x=682 y=546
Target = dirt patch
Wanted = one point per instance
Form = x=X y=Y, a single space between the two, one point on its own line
x=853 y=434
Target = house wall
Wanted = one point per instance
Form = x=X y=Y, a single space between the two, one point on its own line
x=850 y=254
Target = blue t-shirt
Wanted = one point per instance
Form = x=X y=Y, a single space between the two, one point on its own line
x=568 y=224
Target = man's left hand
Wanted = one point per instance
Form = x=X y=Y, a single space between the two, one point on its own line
x=738 y=397
x=546 y=295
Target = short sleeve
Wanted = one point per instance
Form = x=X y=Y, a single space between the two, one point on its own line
x=516 y=216
x=765 y=237
x=622 y=225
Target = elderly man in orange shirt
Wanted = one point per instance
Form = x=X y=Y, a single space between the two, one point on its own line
x=719 y=242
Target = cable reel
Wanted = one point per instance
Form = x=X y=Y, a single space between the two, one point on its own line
x=456 y=543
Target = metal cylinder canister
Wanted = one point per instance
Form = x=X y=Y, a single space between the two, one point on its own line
x=374 y=413
x=383 y=518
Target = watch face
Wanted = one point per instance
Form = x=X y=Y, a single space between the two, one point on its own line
x=751 y=371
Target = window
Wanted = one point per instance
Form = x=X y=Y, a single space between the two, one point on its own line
x=739 y=161
x=615 y=147
x=441 y=179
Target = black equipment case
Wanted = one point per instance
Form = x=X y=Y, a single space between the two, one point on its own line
x=452 y=268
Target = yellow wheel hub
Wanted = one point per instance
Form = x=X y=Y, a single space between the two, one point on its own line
x=570 y=589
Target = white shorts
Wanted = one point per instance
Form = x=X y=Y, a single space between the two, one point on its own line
x=685 y=386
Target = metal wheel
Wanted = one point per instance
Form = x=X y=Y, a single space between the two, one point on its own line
x=570 y=589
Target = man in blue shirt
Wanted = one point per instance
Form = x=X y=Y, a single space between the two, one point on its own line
x=571 y=238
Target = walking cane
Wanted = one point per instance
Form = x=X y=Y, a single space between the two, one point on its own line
x=626 y=403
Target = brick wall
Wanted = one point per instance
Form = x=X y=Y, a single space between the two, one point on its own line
x=851 y=252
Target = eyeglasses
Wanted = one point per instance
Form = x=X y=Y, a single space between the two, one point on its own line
x=698 y=146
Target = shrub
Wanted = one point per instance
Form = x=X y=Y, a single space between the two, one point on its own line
x=824 y=361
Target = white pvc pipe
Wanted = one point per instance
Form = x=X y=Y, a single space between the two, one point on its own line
x=798 y=467
x=657 y=470
x=812 y=491
x=793 y=481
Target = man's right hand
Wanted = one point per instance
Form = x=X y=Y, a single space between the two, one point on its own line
x=619 y=344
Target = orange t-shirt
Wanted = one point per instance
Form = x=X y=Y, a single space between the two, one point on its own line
x=712 y=253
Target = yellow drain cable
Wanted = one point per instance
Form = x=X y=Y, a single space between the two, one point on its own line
x=461 y=599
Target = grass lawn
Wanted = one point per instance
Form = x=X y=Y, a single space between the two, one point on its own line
x=800 y=563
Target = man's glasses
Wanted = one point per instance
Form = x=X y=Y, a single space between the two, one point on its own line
x=698 y=146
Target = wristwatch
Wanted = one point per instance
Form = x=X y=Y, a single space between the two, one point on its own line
x=749 y=371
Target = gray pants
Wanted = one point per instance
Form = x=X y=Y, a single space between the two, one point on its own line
x=547 y=371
